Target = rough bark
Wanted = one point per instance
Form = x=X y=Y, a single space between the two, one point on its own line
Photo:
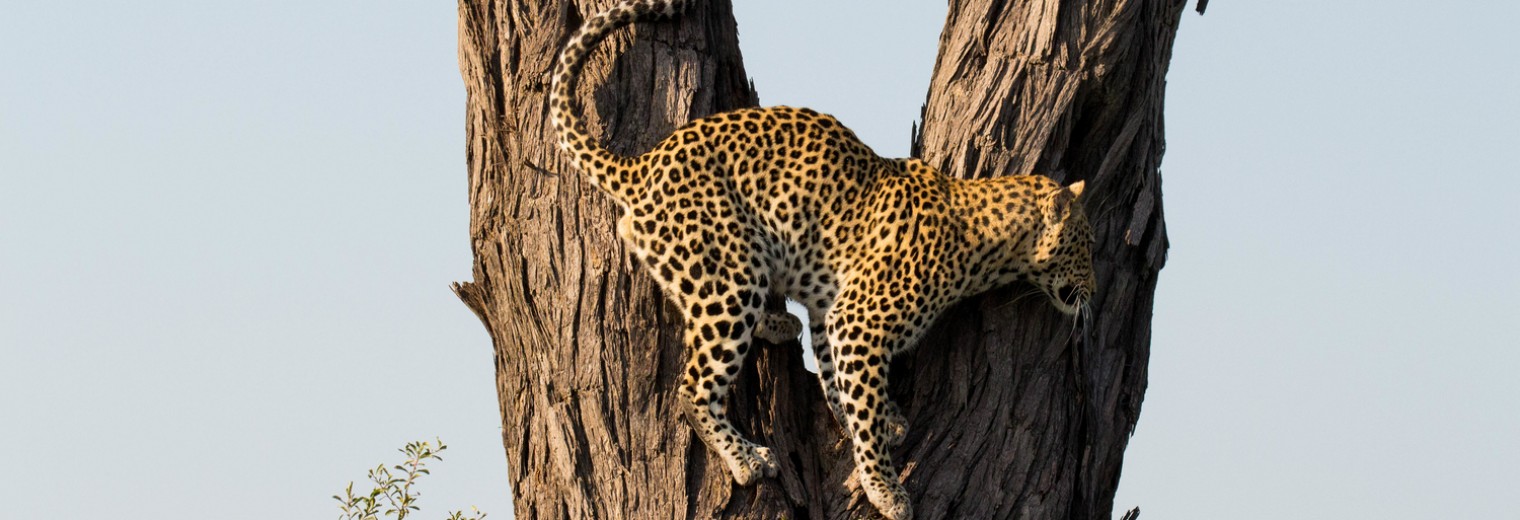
x=1073 y=90
x=588 y=352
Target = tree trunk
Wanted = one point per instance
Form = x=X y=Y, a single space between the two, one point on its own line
x=588 y=352
x=1073 y=90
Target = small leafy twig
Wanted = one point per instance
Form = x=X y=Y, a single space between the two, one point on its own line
x=396 y=491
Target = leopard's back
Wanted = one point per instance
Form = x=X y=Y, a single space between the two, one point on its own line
x=792 y=185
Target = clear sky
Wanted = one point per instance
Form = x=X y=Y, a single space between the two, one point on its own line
x=227 y=231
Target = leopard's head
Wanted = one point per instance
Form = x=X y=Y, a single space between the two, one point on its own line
x=1062 y=264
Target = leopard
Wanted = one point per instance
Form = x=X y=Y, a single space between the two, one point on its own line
x=734 y=209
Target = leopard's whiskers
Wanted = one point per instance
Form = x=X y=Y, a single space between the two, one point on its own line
x=1020 y=297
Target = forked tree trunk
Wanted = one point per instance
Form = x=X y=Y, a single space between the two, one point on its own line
x=588 y=352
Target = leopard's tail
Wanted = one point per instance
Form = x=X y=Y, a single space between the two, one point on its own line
x=610 y=171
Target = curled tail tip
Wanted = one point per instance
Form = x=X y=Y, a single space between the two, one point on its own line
x=567 y=122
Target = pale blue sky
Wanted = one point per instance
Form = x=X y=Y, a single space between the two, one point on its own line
x=227 y=230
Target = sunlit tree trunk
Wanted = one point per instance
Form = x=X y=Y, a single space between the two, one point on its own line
x=588 y=352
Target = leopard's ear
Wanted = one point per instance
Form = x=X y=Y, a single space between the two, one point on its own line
x=1076 y=189
x=1061 y=199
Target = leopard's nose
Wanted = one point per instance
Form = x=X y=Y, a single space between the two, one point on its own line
x=1067 y=294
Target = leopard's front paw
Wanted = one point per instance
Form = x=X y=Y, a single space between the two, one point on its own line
x=890 y=499
x=752 y=464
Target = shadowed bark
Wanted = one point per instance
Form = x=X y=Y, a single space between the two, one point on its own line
x=588 y=351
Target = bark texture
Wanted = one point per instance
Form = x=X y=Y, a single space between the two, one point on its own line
x=588 y=352
x=1073 y=90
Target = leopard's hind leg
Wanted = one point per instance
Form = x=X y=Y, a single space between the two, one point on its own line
x=723 y=298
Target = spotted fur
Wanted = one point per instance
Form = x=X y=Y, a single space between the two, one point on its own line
x=737 y=205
